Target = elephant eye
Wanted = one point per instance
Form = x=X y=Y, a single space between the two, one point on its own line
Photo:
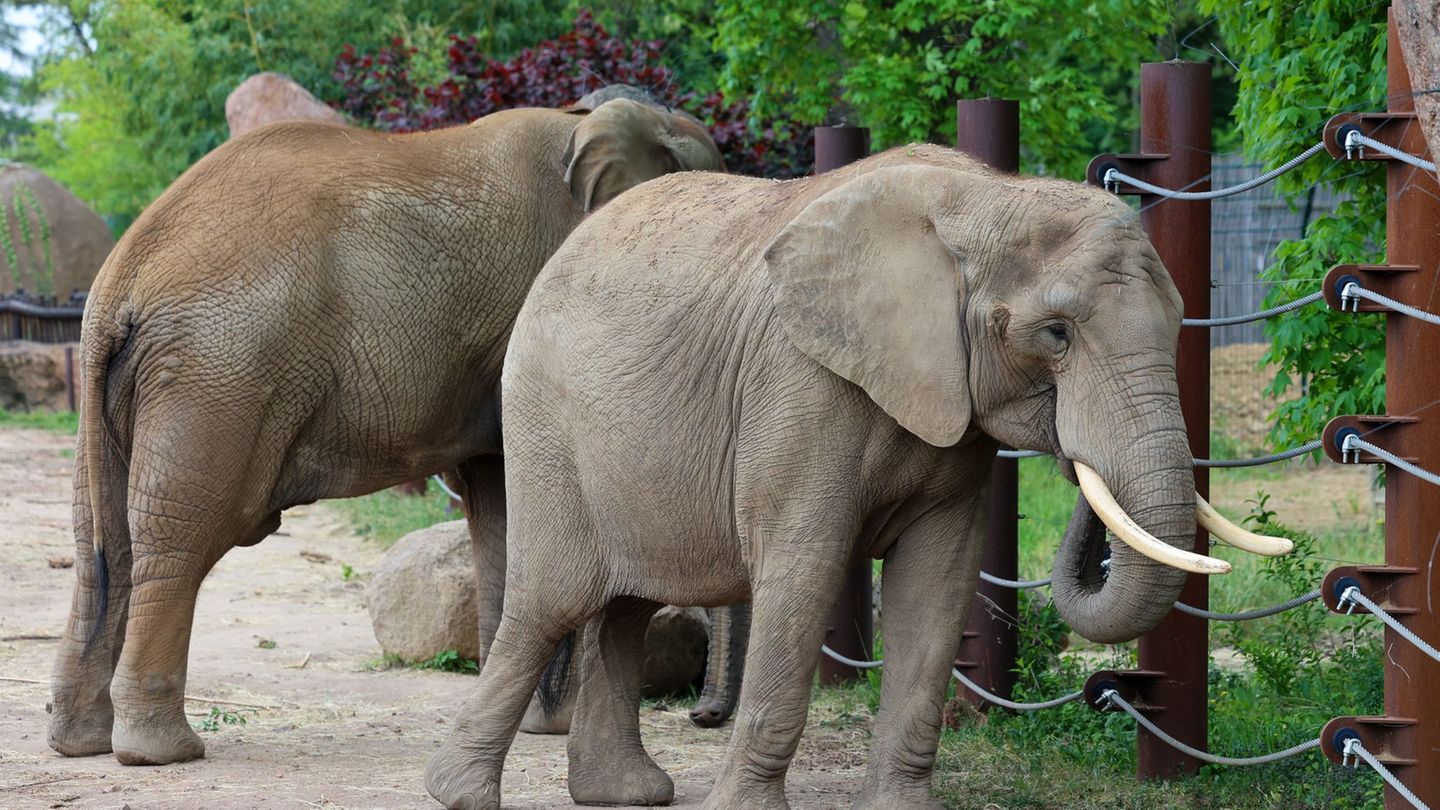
x=1059 y=331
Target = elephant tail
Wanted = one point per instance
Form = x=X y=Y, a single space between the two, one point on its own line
x=104 y=335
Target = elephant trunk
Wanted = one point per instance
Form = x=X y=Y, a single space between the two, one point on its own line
x=724 y=665
x=1145 y=462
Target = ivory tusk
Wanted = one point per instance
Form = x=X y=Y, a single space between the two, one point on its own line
x=1129 y=532
x=1244 y=539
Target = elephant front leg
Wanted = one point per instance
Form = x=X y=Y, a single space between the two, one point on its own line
x=81 y=715
x=724 y=664
x=788 y=611
x=929 y=575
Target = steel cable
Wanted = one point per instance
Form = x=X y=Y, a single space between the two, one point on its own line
x=1248 y=615
x=1010 y=704
x=1256 y=316
x=1019 y=584
x=1353 y=290
x=1355 y=444
x=1353 y=594
x=1354 y=748
x=1110 y=696
x=851 y=662
x=1354 y=140
x=1257 y=461
x=1114 y=177
x=439 y=479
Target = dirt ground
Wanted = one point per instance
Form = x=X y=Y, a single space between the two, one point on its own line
x=330 y=730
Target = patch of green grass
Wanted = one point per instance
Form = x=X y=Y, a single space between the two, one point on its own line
x=386 y=516
x=218 y=717
x=61 y=422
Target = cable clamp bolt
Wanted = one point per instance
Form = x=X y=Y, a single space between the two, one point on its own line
x=1348 y=757
x=1110 y=181
x=1353 y=145
x=1350 y=297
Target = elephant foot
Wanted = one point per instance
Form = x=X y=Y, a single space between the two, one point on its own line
x=769 y=795
x=617 y=777
x=538 y=721
x=709 y=714
x=456 y=780
x=81 y=734
x=155 y=743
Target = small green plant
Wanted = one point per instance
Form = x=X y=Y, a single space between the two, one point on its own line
x=223 y=717
x=449 y=661
x=347 y=572
x=266 y=644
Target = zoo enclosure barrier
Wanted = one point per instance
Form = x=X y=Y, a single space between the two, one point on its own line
x=41 y=320
x=1166 y=695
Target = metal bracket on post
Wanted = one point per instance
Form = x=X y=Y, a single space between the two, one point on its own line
x=1390 y=739
x=1133 y=165
x=1394 y=129
x=1375 y=581
x=1395 y=431
x=1137 y=686
x=1386 y=279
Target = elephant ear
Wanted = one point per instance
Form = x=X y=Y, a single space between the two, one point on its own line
x=866 y=287
x=623 y=143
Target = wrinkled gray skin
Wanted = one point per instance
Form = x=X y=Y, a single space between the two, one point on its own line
x=722 y=388
x=311 y=311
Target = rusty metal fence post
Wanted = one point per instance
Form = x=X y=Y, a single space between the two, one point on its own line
x=1171 y=683
x=1406 y=739
x=989 y=130
x=850 y=627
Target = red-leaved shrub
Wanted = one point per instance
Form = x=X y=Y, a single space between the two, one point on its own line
x=378 y=91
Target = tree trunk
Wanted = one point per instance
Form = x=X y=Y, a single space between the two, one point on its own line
x=1418 y=24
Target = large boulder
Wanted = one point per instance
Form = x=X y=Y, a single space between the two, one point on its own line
x=422 y=602
x=33 y=378
x=422 y=597
x=56 y=244
x=269 y=97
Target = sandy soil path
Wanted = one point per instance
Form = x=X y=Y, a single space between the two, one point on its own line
x=332 y=731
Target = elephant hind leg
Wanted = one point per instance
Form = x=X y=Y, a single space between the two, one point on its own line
x=608 y=763
x=200 y=482
x=465 y=771
x=81 y=714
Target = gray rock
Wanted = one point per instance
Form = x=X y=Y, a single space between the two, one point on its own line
x=422 y=597
x=675 y=648
x=422 y=602
x=32 y=376
x=269 y=97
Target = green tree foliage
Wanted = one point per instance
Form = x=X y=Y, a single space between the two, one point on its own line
x=141 y=96
x=898 y=67
x=1299 y=64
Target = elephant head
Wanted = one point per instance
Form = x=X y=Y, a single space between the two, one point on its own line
x=1035 y=311
x=622 y=142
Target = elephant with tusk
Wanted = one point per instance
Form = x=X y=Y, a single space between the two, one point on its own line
x=311 y=311
x=723 y=389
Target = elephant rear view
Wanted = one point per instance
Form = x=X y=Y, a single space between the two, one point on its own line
x=311 y=311
x=790 y=377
